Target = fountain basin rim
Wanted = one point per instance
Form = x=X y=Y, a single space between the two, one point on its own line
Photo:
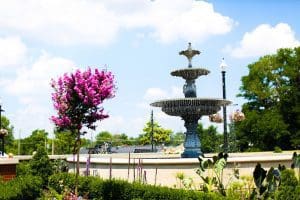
x=199 y=101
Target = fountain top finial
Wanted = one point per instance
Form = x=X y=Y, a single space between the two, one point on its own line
x=189 y=53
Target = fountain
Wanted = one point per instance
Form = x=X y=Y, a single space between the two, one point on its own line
x=190 y=108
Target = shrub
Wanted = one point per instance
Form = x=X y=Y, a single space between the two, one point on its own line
x=21 y=188
x=277 y=149
x=23 y=168
x=290 y=187
x=96 y=188
x=41 y=165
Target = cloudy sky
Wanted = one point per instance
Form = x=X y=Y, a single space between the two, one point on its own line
x=139 y=41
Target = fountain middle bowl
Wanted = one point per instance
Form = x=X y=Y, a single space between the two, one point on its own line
x=191 y=106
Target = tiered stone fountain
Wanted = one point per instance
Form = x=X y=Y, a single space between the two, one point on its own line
x=190 y=108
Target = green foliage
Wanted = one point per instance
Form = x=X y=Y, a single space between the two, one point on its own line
x=64 y=142
x=177 y=138
x=266 y=182
x=123 y=190
x=23 y=168
x=277 y=150
x=296 y=163
x=10 y=146
x=21 y=188
x=290 y=186
x=215 y=180
x=103 y=136
x=160 y=135
x=60 y=165
x=37 y=139
x=273 y=107
x=41 y=165
x=241 y=189
x=210 y=139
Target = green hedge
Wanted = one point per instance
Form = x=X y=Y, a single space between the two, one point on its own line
x=123 y=190
x=21 y=188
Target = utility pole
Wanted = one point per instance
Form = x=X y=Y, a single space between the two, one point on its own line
x=152 y=131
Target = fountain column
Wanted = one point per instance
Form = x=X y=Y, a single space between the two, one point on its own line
x=192 y=145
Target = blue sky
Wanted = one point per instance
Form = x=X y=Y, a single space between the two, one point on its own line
x=139 y=41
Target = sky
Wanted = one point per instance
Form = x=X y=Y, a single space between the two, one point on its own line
x=138 y=41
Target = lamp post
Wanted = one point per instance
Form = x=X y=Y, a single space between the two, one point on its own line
x=1 y=134
x=223 y=66
x=152 y=131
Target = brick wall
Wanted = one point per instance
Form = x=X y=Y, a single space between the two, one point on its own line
x=8 y=171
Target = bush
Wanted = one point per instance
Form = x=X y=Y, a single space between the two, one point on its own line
x=21 y=188
x=41 y=165
x=96 y=188
x=277 y=149
x=289 y=188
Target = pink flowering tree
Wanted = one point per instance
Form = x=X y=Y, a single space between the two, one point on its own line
x=77 y=98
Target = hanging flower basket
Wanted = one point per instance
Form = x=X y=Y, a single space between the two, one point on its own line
x=216 y=118
x=3 y=132
x=237 y=116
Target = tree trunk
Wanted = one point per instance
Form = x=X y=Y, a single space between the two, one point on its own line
x=77 y=146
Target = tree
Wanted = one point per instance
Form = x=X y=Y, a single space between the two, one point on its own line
x=78 y=98
x=209 y=138
x=38 y=138
x=10 y=146
x=160 y=135
x=64 y=142
x=103 y=136
x=273 y=107
x=41 y=165
x=177 y=138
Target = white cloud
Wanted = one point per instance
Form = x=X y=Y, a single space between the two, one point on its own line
x=265 y=39
x=12 y=52
x=31 y=87
x=34 y=82
x=99 y=22
x=188 y=20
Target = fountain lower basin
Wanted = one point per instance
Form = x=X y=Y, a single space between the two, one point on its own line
x=191 y=106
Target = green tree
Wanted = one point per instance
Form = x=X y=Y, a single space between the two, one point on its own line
x=10 y=146
x=103 y=136
x=37 y=139
x=160 y=135
x=41 y=165
x=64 y=142
x=177 y=138
x=120 y=139
x=273 y=107
x=209 y=138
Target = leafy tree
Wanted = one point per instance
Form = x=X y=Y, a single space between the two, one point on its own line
x=37 y=139
x=64 y=142
x=210 y=139
x=273 y=107
x=120 y=139
x=41 y=165
x=160 y=135
x=177 y=138
x=78 y=98
x=9 y=139
x=103 y=136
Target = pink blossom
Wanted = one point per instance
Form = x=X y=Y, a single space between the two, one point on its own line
x=77 y=98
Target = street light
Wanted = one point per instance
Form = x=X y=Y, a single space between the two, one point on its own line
x=3 y=132
x=223 y=67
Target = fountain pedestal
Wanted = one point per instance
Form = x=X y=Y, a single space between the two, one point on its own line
x=192 y=144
